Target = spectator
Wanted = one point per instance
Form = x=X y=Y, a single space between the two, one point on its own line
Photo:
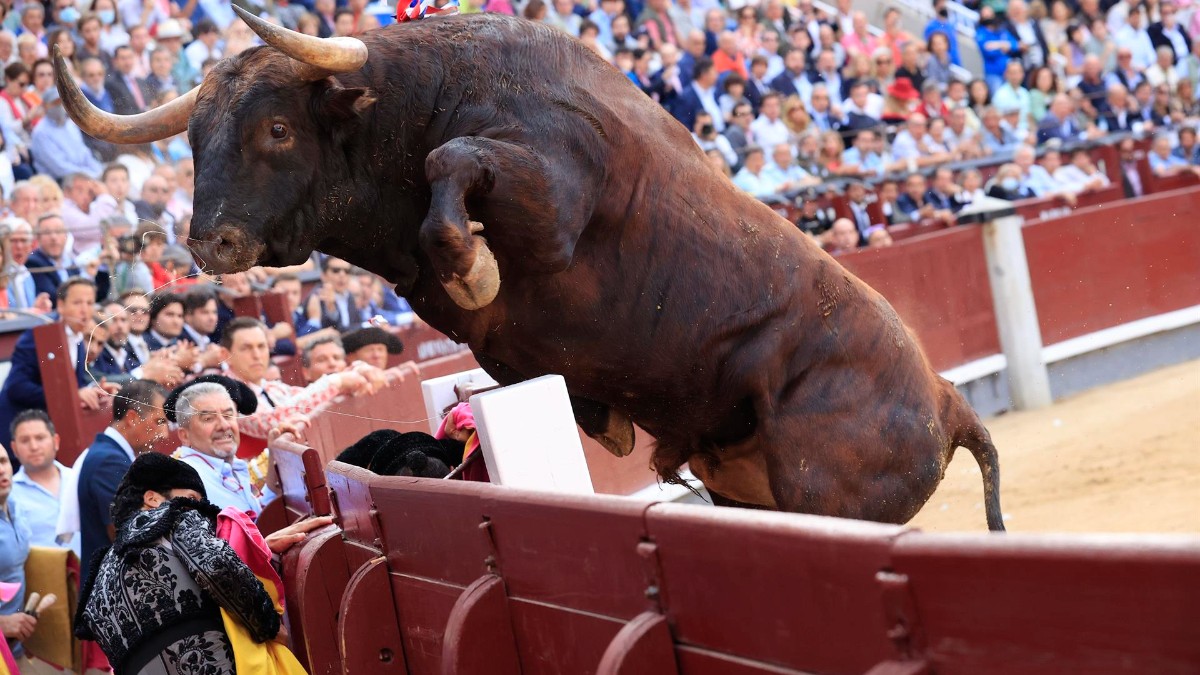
x=823 y=114
x=118 y=361
x=137 y=307
x=902 y=99
x=112 y=32
x=701 y=95
x=752 y=178
x=885 y=66
x=914 y=204
x=1032 y=48
x=57 y=146
x=894 y=37
x=1054 y=27
x=879 y=237
x=207 y=419
x=1060 y=123
x=761 y=72
x=156 y=193
x=562 y=16
x=1164 y=164
x=322 y=356
x=794 y=80
x=51 y=263
x=808 y=154
x=784 y=173
x=1187 y=150
x=914 y=146
x=23 y=388
x=1163 y=71
x=937 y=66
x=826 y=73
x=863 y=102
x=1043 y=85
x=1126 y=72
x=1035 y=180
x=813 y=219
x=972 y=187
x=200 y=324
x=796 y=118
x=114 y=198
x=621 y=38
x=1081 y=175
x=941 y=25
x=1012 y=94
x=1168 y=33
x=856 y=199
x=1188 y=69
x=843 y=237
x=15 y=538
x=166 y=321
x=769 y=129
x=997 y=45
x=603 y=16
x=864 y=158
x=1006 y=184
x=910 y=65
x=129 y=94
x=944 y=195
x=22 y=292
x=37 y=485
x=739 y=134
x=859 y=40
x=1119 y=115
x=146 y=271
x=205 y=46
x=78 y=213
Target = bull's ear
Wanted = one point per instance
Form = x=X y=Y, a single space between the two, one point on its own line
x=342 y=104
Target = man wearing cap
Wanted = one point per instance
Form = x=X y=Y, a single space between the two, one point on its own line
x=57 y=144
x=371 y=345
x=171 y=36
x=207 y=417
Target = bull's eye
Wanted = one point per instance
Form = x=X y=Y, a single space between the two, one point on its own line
x=278 y=131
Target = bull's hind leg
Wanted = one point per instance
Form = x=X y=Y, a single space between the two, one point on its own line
x=506 y=194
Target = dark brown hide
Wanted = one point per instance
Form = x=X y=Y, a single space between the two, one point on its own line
x=661 y=292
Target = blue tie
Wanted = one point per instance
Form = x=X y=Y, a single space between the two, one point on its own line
x=81 y=363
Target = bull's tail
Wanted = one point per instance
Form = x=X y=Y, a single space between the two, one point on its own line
x=976 y=438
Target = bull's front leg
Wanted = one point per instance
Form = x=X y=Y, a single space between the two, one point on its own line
x=484 y=189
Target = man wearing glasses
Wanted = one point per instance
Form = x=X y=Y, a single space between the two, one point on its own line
x=208 y=428
x=331 y=301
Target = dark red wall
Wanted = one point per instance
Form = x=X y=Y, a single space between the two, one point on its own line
x=1104 y=266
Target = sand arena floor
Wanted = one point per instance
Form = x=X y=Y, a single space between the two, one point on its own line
x=1120 y=458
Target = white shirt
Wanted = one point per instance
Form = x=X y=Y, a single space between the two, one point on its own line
x=873 y=108
x=1138 y=41
x=904 y=146
x=1176 y=38
x=708 y=99
x=768 y=133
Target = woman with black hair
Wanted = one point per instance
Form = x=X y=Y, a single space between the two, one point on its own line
x=153 y=599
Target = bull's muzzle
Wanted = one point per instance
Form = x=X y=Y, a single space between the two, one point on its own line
x=226 y=250
x=480 y=285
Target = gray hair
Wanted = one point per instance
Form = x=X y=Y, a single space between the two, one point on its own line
x=185 y=405
x=306 y=354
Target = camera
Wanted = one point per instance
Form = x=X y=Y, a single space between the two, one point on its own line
x=707 y=130
x=129 y=244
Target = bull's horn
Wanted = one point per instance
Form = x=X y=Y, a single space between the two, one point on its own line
x=323 y=57
x=481 y=284
x=156 y=124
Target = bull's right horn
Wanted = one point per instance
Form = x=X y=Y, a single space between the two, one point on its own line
x=322 y=56
x=156 y=124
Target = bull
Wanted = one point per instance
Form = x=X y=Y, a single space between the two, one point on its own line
x=530 y=202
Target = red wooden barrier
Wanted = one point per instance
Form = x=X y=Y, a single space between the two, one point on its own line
x=1052 y=207
x=76 y=427
x=301 y=475
x=1102 y=267
x=939 y=285
x=484 y=579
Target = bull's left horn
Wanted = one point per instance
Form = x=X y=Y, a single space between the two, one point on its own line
x=324 y=57
x=479 y=287
x=153 y=125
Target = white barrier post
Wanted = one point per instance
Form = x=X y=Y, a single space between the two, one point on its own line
x=1012 y=296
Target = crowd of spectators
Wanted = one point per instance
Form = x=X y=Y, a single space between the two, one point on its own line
x=784 y=96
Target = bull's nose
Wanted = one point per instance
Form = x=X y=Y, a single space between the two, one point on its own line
x=226 y=249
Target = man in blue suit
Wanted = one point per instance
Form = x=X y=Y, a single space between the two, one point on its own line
x=51 y=264
x=700 y=96
x=138 y=423
x=23 y=386
x=1059 y=123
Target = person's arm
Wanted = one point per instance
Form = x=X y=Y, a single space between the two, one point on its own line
x=218 y=570
x=301 y=404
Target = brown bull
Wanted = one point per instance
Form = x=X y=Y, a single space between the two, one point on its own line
x=528 y=200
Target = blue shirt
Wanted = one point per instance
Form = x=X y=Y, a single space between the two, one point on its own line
x=59 y=150
x=1160 y=164
x=41 y=508
x=948 y=29
x=1039 y=181
x=14 y=550
x=225 y=483
x=995 y=60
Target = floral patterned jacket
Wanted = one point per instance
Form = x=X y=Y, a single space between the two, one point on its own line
x=161 y=586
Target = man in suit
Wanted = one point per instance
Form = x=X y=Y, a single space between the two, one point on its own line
x=138 y=423
x=1118 y=117
x=739 y=133
x=756 y=86
x=23 y=387
x=129 y=94
x=941 y=195
x=700 y=95
x=793 y=81
x=1059 y=123
x=826 y=73
x=22 y=293
x=1168 y=33
x=51 y=263
x=118 y=360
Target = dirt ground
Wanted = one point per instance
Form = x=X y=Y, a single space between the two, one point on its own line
x=1120 y=458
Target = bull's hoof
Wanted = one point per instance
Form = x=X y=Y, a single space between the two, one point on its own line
x=481 y=284
x=618 y=438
